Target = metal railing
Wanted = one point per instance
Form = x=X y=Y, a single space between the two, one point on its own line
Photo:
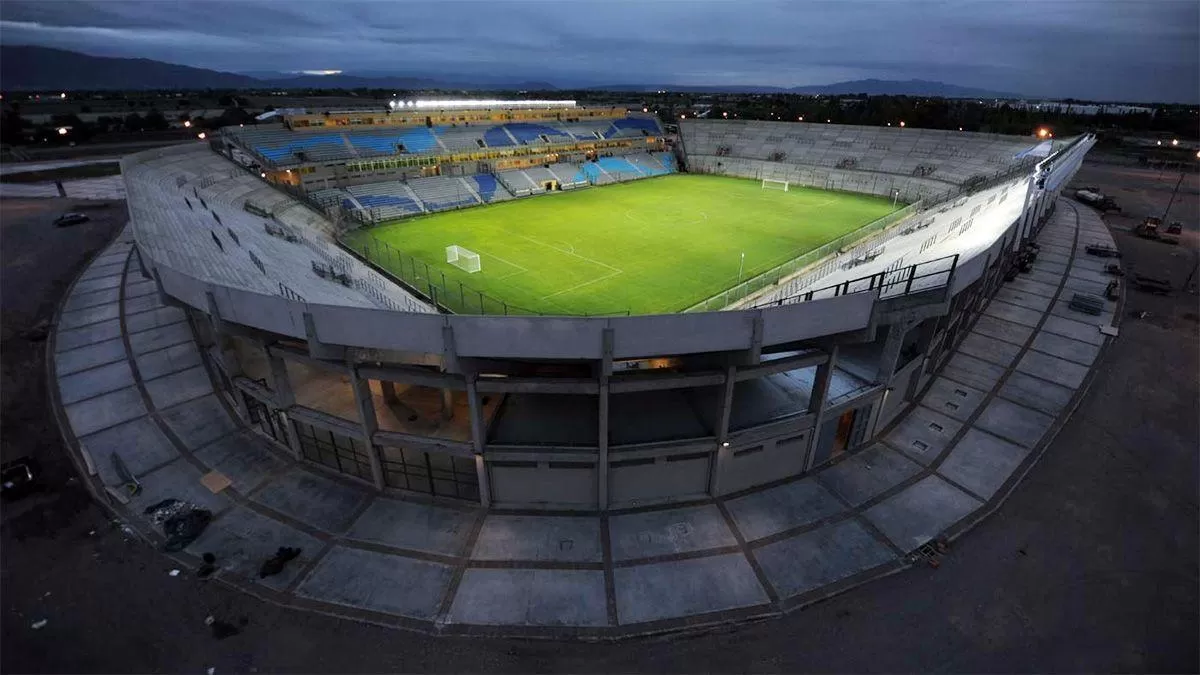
x=775 y=274
x=890 y=283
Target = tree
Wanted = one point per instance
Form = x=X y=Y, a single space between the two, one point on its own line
x=155 y=121
x=133 y=122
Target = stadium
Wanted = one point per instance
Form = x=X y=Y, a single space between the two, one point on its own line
x=538 y=308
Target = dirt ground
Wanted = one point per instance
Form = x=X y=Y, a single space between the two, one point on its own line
x=1090 y=566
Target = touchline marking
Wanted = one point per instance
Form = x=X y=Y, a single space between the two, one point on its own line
x=586 y=283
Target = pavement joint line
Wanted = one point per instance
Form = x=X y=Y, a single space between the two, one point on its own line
x=1018 y=475
x=379 y=547
x=748 y=552
x=855 y=513
x=610 y=588
x=441 y=617
x=309 y=567
x=354 y=514
x=797 y=530
x=677 y=556
x=558 y=565
x=990 y=395
x=83 y=462
x=99 y=395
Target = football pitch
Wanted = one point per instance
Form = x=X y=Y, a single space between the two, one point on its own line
x=651 y=246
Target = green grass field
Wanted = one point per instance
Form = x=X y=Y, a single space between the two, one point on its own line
x=650 y=246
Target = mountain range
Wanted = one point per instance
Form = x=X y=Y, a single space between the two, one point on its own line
x=44 y=68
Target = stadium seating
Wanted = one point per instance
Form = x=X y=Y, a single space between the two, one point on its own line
x=619 y=168
x=647 y=164
x=489 y=189
x=440 y=193
x=279 y=145
x=527 y=133
x=385 y=200
x=918 y=163
x=633 y=126
x=569 y=175
x=518 y=183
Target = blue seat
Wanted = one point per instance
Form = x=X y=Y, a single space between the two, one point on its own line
x=486 y=184
x=633 y=123
x=496 y=138
x=527 y=132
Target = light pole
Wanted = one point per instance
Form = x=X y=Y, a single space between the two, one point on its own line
x=740 y=265
x=1175 y=192
x=895 y=197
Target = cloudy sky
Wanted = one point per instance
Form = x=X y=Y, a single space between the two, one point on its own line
x=1098 y=49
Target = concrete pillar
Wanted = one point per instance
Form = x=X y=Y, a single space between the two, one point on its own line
x=890 y=353
x=369 y=423
x=723 y=412
x=389 y=391
x=602 y=458
x=284 y=397
x=817 y=405
x=280 y=383
x=447 y=404
x=478 y=442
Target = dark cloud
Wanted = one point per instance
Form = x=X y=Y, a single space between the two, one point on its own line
x=1101 y=49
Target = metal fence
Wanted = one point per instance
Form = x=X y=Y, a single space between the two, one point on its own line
x=924 y=276
x=775 y=274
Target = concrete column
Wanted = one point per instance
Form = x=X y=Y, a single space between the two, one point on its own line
x=723 y=452
x=447 y=404
x=817 y=405
x=602 y=458
x=478 y=441
x=890 y=353
x=369 y=423
x=284 y=396
x=389 y=391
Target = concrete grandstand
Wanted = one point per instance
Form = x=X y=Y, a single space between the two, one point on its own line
x=694 y=436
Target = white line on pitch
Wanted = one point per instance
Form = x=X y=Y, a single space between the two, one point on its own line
x=586 y=283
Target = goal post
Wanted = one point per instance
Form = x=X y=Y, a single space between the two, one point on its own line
x=769 y=184
x=463 y=259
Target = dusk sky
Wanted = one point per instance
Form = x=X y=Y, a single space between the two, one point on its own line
x=1141 y=50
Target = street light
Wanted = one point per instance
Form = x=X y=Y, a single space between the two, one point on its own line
x=201 y=135
x=1175 y=142
x=62 y=131
x=901 y=122
x=187 y=124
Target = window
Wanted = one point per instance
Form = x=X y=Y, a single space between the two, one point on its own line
x=267 y=420
x=335 y=451
x=433 y=473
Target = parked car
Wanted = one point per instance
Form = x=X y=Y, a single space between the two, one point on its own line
x=19 y=477
x=70 y=219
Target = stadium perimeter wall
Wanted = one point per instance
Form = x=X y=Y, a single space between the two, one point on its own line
x=858 y=359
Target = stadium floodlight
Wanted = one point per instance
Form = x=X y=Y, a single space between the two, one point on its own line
x=447 y=104
x=769 y=184
x=463 y=259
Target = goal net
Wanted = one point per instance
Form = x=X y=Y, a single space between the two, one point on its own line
x=462 y=258
x=769 y=184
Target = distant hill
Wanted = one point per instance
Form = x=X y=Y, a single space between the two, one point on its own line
x=28 y=67
x=903 y=88
x=869 y=87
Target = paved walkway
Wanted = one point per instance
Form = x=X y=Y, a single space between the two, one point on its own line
x=131 y=382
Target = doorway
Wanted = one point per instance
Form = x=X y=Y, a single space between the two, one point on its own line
x=841 y=437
